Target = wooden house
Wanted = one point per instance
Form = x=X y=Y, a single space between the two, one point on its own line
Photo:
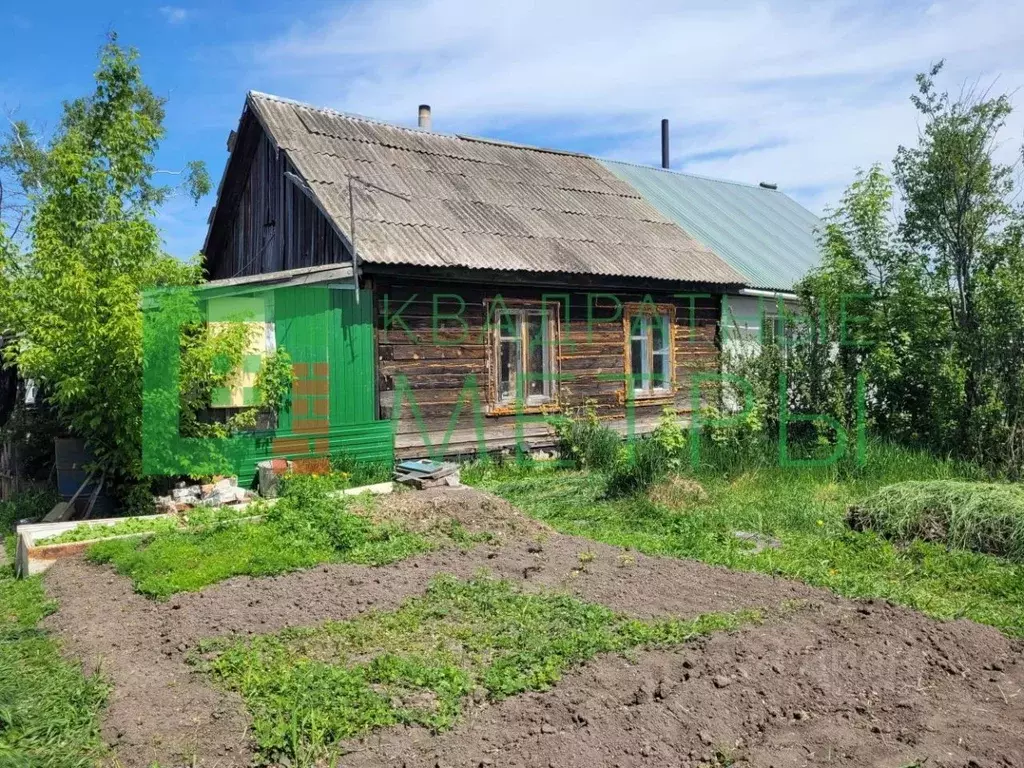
x=500 y=283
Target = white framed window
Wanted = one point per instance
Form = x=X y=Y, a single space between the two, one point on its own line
x=524 y=357
x=649 y=351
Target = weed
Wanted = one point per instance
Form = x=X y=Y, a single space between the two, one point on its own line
x=361 y=472
x=586 y=558
x=671 y=436
x=306 y=527
x=308 y=689
x=639 y=466
x=584 y=441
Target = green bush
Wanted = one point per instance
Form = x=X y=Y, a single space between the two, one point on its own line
x=30 y=504
x=361 y=472
x=306 y=512
x=639 y=466
x=983 y=517
x=585 y=441
x=671 y=436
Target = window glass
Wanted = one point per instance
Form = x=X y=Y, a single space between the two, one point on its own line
x=650 y=352
x=638 y=357
x=525 y=359
x=509 y=362
x=538 y=378
x=660 y=378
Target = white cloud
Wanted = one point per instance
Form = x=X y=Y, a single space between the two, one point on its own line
x=173 y=14
x=793 y=92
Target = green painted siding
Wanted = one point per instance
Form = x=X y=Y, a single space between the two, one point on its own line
x=353 y=394
x=329 y=336
x=300 y=325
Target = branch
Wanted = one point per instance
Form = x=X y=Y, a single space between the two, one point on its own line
x=15 y=132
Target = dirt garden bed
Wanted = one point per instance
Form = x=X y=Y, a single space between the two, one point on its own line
x=829 y=681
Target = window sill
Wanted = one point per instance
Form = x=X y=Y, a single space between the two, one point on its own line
x=511 y=409
x=648 y=398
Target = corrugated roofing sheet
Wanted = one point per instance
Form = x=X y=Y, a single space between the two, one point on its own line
x=474 y=203
x=768 y=237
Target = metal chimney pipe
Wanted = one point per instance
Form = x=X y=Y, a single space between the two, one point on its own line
x=664 y=144
x=424 y=121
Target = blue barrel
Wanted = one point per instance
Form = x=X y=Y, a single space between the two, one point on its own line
x=72 y=457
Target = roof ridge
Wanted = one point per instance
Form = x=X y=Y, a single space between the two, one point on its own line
x=498 y=142
x=418 y=131
x=690 y=174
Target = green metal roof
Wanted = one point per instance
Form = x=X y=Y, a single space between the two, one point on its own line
x=763 y=234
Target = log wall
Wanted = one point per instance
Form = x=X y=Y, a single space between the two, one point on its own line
x=427 y=369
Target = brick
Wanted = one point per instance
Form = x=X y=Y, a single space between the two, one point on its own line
x=310 y=387
x=311 y=426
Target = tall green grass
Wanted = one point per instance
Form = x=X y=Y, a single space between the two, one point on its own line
x=49 y=712
x=982 y=517
x=804 y=507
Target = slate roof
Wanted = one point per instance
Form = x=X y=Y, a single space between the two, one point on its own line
x=765 y=235
x=466 y=202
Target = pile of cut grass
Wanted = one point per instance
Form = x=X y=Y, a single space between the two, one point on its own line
x=308 y=689
x=981 y=517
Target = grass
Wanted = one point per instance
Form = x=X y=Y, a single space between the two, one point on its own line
x=348 y=472
x=200 y=517
x=130 y=525
x=305 y=528
x=982 y=517
x=308 y=689
x=804 y=508
x=48 y=709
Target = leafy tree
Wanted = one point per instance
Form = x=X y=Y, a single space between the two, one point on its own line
x=957 y=207
x=940 y=332
x=72 y=294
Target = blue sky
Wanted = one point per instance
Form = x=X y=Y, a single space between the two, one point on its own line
x=792 y=92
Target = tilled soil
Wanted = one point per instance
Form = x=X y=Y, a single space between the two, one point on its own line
x=835 y=682
x=834 y=685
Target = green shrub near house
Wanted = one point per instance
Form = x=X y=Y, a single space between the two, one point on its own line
x=982 y=517
x=584 y=442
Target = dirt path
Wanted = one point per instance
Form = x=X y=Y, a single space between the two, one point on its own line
x=804 y=692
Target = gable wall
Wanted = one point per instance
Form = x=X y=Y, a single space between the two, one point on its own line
x=264 y=222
